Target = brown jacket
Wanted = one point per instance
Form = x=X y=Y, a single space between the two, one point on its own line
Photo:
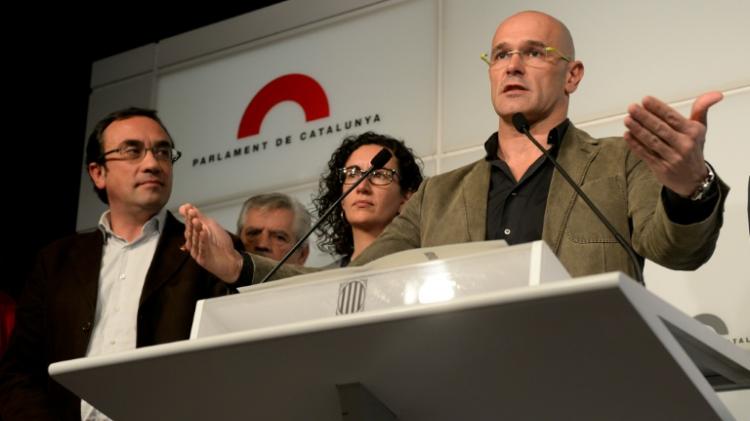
x=56 y=315
x=452 y=208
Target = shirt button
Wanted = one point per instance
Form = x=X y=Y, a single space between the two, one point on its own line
x=122 y=276
x=507 y=231
x=111 y=342
x=514 y=194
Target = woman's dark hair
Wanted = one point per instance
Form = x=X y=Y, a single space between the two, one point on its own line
x=335 y=233
x=94 y=149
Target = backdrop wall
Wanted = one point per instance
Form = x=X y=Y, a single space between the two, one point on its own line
x=411 y=69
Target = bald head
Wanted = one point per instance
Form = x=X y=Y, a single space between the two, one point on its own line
x=537 y=85
x=555 y=32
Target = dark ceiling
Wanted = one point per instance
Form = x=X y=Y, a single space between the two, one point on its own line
x=132 y=27
x=47 y=63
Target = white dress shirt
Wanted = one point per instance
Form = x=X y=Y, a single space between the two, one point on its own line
x=121 y=278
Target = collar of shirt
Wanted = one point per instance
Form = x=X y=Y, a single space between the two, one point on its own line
x=554 y=138
x=153 y=225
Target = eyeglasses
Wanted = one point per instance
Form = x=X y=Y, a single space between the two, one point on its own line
x=379 y=177
x=534 y=56
x=133 y=150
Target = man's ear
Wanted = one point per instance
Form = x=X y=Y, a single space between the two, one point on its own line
x=573 y=76
x=303 y=253
x=98 y=174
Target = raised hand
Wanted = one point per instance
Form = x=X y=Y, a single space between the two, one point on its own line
x=670 y=144
x=210 y=245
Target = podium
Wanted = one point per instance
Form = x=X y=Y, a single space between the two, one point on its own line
x=400 y=280
x=595 y=347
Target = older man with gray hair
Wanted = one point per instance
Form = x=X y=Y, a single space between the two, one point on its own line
x=270 y=224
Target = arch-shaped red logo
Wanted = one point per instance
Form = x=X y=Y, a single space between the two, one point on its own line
x=295 y=87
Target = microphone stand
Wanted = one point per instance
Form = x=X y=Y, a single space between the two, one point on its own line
x=376 y=163
x=522 y=125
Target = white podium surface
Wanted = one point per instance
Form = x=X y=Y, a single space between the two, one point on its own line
x=598 y=347
x=413 y=277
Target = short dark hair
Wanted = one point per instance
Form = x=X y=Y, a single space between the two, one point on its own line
x=335 y=233
x=94 y=149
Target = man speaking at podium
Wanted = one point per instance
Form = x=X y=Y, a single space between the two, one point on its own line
x=653 y=185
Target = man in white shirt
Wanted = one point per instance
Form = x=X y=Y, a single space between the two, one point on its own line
x=126 y=285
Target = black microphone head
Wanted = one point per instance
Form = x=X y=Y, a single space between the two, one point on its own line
x=381 y=158
x=520 y=122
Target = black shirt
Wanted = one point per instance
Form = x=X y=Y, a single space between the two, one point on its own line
x=515 y=209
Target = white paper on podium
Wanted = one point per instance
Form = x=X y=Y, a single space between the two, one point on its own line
x=412 y=277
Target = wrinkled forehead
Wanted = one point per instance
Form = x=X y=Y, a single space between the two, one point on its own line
x=275 y=218
x=528 y=28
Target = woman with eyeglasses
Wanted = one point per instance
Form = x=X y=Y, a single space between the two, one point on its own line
x=368 y=209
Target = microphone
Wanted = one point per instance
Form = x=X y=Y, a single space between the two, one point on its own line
x=522 y=125
x=377 y=162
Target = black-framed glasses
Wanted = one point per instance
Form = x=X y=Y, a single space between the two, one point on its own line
x=379 y=177
x=135 y=150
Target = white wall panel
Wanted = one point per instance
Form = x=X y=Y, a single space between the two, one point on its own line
x=459 y=159
x=203 y=105
x=429 y=167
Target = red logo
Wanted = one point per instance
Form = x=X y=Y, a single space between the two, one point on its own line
x=296 y=87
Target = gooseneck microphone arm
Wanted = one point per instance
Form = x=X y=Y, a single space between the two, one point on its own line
x=376 y=163
x=522 y=125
